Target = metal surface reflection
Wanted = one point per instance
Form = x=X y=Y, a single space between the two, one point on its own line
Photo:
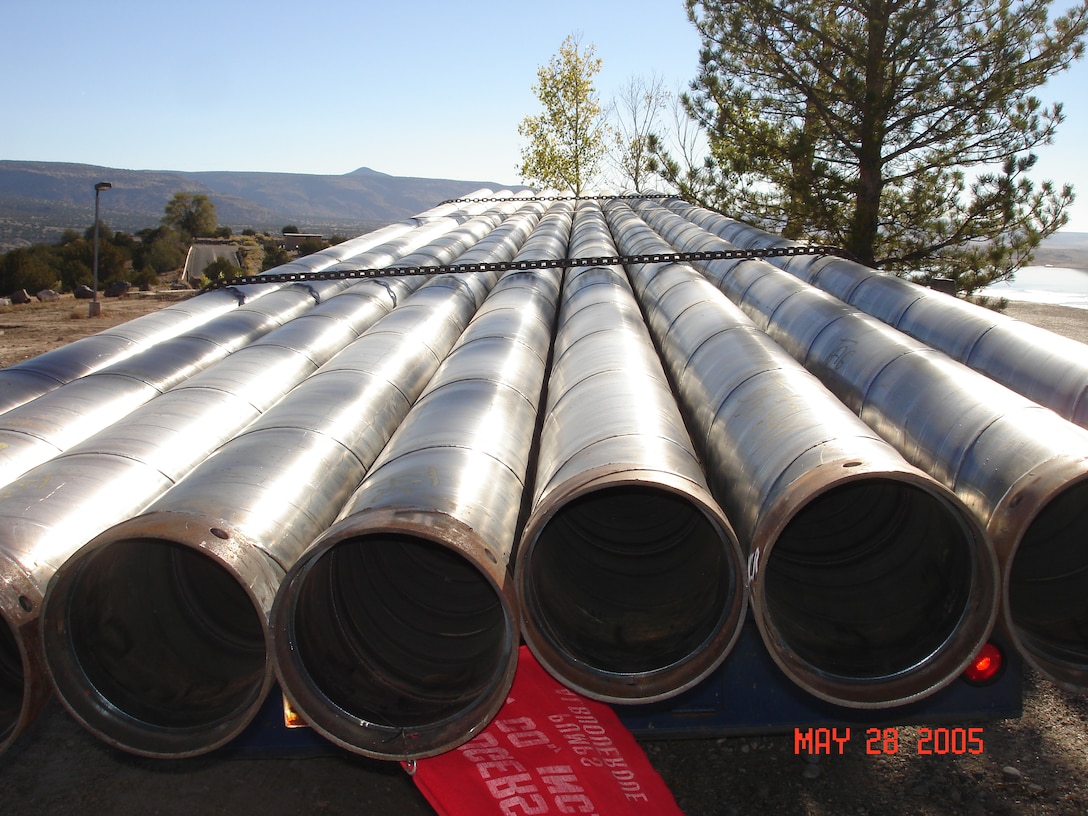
x=396 y=633
x=872 y=585
x=629 y=574
x=214 y=548
x=1021 y=468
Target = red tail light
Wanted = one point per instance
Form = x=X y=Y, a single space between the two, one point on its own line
x=986 y=665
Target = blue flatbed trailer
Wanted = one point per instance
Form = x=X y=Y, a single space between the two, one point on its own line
x=748 y=695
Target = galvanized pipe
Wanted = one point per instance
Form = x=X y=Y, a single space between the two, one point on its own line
x=47 y=425
x=1047 y=368
x=29 y=379
x=56 y=507
x=871 y=584
x=629 y=574
x=155 y=631
x=1021 y=468
x=40 y=429
x=396 y=633
x=22 y=382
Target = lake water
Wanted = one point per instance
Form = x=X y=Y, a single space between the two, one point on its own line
x=1045 y=284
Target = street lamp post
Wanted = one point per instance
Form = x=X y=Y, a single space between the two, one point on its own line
x=95 y=308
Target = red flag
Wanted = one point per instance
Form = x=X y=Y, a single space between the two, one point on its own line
x=548 y=751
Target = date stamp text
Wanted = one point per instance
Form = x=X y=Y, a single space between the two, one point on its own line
x=927 y=741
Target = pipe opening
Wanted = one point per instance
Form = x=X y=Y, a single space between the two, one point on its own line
x=1048 y=581
x=165 y=635
x=629 y=579
x=399 y=631
x=11 y=681
x=869 y=579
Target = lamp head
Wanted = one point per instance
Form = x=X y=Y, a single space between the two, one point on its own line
x=102 y=185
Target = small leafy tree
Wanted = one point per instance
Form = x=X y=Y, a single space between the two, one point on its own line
x=160 y=249
x=191 y=214
x=566 y=140
x=32 y=268
x=74 y=259
x=220 y=268
x=274 y=255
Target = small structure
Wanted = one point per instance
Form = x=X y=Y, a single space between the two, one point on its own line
x=293 y=240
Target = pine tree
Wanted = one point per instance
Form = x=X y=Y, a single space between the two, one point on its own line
x=901 y=130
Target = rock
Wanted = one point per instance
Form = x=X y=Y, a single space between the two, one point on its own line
x=20 y=296
x=47 y=295
x=1011 y=773
x=83 y=292
x=117 y=289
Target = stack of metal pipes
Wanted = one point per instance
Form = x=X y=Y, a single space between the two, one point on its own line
x=368 y=493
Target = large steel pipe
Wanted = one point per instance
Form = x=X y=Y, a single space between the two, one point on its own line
x=871 y=584
x=1021 y=468
x=56 y=507
x=630 y=576
x=396 y=633
x=155 y=631
x=27 y=380
x=40 y=429
x=43 y=427
x=22 y=382
x=1047 y=368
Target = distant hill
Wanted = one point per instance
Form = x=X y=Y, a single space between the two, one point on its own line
x=39 y=200
x=1069 y=249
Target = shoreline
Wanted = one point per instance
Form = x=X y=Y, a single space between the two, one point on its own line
x=1065 y=320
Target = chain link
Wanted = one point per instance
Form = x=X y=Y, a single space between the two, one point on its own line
x=515 y=198
x=526 y=265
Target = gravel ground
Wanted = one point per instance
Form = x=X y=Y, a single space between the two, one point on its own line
x=1037 y=764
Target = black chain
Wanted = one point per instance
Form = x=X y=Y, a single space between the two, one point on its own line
x=517 y=198
x=527 y=265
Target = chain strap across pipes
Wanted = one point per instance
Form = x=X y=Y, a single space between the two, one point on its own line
x=1021 y=468
x=630 y=576
x=527 y=265
x=52 y=510
x=156 y=631
x=396 y=633
x=872 y=585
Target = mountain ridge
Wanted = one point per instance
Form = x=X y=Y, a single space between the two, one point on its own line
x=39 y=200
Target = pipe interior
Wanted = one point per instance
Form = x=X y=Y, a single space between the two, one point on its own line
x=399 y=631
x=11 y=681
x=629 y=579
x=1048 y=580
x=165 y=634
x=869 y=579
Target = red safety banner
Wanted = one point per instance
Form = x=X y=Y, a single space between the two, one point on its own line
x=549 y=750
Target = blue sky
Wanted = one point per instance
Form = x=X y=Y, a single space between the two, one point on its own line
x=420 y=88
